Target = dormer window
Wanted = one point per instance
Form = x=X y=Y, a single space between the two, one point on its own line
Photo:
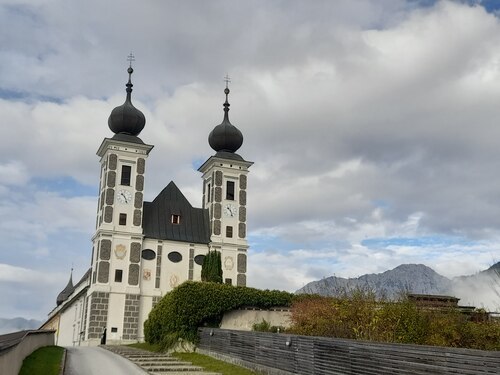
x=176 y=219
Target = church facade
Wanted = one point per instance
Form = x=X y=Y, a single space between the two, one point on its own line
x=142 y=250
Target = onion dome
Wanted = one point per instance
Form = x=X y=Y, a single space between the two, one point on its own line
x=225 y=137
x=66 y=292
x=126 y=119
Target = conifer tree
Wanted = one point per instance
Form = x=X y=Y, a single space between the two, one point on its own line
x=211 y=270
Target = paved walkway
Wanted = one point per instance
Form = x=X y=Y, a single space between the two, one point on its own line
x=98 y=361
x=158 y=363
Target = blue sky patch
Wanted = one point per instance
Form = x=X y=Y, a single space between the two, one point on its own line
x=260 y=243
x=196 y=163
x=65 y=186
x=425 y=241
x=490 y=5
x=27 y=97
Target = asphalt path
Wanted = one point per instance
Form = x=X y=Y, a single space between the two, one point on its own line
x=97 y=361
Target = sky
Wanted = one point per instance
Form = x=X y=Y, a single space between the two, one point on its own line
x=374 y=126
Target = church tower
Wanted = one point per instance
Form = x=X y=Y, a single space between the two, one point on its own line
x=225 y=196
x=114 y=292
x=142 y=250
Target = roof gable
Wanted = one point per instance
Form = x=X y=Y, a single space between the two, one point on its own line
x=157 y=219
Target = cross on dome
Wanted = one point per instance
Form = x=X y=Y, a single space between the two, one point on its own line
x=130 y=58
x=126 y=119
x=227 y=79
x=225 y=136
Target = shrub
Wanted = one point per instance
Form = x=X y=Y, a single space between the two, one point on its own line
x=401 y=322
x=211 y=269
x=359 y=316
x=192 y=304
x=265 y=326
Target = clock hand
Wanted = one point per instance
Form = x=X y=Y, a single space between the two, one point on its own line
x=124 y=197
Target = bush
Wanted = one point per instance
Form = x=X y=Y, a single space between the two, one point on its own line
x=401 y=322
x=265 y=326
x=361 y=317
x=193 y=304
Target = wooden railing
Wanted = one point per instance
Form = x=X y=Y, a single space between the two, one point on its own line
x=14 y=347
x=291 y=354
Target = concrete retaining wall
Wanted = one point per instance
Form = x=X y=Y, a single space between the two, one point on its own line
x=244 y=319
x=18 y=346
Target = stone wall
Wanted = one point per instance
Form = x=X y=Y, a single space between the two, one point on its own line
x=131 y=318
x=98 y=316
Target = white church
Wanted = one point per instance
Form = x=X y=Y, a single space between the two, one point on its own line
x=142 y=250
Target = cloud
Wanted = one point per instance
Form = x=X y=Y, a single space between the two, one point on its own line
x=28 y=292
x=13 y=173
x=23 y=275
x=365 y=120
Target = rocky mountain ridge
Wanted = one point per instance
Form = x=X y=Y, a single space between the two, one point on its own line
x=480 y=290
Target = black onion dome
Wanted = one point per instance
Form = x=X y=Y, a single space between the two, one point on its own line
x=126 y=119
x=225 y=137
x=66 y=292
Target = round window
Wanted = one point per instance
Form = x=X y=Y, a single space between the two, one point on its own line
x=175 y=256
x=199 y=259
x=148 y=254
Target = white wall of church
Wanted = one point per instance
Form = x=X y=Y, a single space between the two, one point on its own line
x=71 y=323
x=145 y=309
x=115 y=317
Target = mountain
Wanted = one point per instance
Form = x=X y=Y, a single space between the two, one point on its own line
x=18 y=324
x=480 y=290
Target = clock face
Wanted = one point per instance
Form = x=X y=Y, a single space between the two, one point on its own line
x=230 y=210
x=124 y=196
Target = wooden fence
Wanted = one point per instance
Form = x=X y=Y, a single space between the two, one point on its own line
x=290 y=354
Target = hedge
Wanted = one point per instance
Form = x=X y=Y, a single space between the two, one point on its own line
x=193 y=304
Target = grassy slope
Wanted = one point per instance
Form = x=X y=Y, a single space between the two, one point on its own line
x=208 y=363
x=211 y=364
x=43 y=361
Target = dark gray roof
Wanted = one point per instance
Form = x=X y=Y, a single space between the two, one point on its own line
x=126 y=118
x=9 y=340
x=194 y=224
x=225 y=136
x=66 y=292
x=228 y=155
x=85 y=276
x=127 y=138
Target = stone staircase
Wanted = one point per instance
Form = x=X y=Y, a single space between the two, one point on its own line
x=157 y=363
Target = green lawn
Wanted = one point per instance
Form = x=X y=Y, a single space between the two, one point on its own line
x=43 y=361
x=212 y=364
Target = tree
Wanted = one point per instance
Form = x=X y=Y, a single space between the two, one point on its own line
x=211 y=270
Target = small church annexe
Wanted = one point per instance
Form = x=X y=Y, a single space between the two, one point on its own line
x=142 y=250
